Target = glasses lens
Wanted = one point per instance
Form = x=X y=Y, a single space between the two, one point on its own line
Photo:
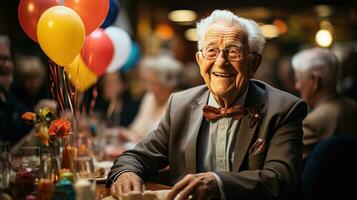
x=210 y=53
x=233 y=54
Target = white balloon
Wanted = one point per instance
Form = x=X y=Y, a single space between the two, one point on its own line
x=122 y=47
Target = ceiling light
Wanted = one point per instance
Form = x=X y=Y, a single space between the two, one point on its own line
x=323 y=10
x=182 y=16
x=191 y=34
x=323 y=38
x=269 y=31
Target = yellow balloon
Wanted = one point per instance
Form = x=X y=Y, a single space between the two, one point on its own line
x=60 y=33
x=80 y=75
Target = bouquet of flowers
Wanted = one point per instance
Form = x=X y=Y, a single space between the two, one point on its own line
x=46 y=127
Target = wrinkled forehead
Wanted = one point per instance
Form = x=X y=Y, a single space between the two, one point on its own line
x=223 y=32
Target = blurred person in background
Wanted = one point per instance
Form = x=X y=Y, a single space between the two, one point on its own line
x=161 y=76
x=116 y=104
x=12 y=127
x=317 y=72
x=30 y=80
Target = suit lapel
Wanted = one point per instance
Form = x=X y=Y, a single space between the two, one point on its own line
x=255 y=97
x=195 y=124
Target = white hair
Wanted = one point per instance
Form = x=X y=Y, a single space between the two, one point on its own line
x=320 y=62
x=4 y=39
x=255 y=37
x=169 y=70
x=29 y=65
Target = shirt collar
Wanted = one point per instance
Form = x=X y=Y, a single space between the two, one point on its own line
x=240 y=101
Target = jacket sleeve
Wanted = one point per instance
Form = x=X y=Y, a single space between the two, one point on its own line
x=278 y=178
x=148 y=156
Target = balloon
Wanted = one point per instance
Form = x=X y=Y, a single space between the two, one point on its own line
x=112 y=13
x=97 y=51
x=60 y=33
x=133 y=58
x=80 y=75
x=92 y=12
x=122 y=47
x=30 y=11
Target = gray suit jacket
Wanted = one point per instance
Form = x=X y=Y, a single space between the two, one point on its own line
x=271 y=173
x=332 y=115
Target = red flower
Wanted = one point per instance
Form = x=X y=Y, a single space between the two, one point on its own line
x=60 y=128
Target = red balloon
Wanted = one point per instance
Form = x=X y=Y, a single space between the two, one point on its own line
x=97 y=51
x=92 y=12
x=30 y=11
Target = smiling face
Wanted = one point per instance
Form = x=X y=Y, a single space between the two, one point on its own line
x=227 y=80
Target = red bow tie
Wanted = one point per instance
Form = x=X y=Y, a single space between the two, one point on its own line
x=213 y=114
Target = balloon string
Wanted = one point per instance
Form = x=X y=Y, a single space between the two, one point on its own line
x=52 y=82
x=55 y=84
x=70 y=100
x=60 y=91
x=58 y=87
x=67 y=92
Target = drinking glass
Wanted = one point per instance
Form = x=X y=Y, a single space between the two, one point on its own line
x=84 y=167
x=27 y=175
x=84 y=170
x=5 y=165
x=49 y=165
x=49 y=174
x=30 y=157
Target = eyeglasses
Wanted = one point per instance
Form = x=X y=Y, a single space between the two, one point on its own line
x=4 y=59
x=232 y=53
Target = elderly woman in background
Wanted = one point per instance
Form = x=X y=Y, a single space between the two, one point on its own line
x=161 y=76
x=116 y=105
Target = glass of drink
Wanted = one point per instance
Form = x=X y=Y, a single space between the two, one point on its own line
x=31 y=157
x=5 y=165
x=84 y=170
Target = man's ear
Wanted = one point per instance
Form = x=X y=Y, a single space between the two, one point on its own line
x=317 y=83
x=198 y=58
x=255 y=60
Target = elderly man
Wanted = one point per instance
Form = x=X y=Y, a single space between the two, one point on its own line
x=316 y=72
x=250 y=144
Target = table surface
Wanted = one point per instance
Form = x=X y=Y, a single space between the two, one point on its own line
x=102 y=191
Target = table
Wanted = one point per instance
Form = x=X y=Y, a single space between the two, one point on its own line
x=102 y=191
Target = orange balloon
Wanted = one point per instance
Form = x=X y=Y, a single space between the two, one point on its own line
x=30 y=11
x=92 y=12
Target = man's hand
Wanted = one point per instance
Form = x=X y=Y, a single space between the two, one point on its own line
x=200 y=186
x=126 y=182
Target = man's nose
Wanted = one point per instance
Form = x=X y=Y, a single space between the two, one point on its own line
x=221 y=59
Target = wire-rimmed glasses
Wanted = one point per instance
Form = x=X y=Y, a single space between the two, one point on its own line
x=232 y=53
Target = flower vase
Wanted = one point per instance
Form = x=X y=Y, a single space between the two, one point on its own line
x=68 y=154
